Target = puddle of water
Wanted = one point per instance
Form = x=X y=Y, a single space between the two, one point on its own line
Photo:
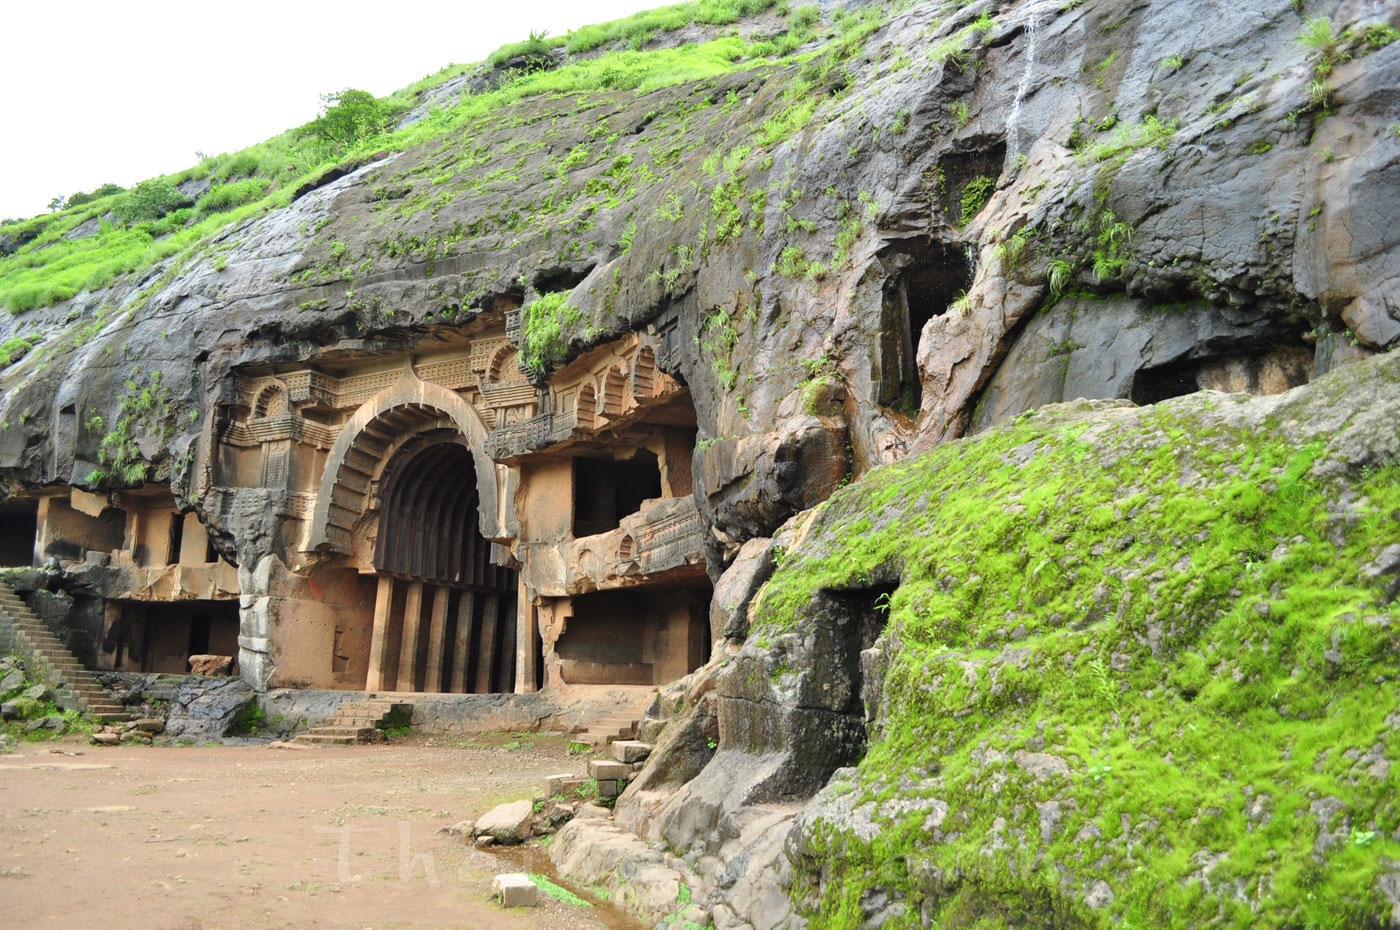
x=535 y=859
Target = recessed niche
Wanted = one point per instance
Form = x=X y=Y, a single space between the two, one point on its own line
x=928 y=278
x=968 y=178
x=549 y=279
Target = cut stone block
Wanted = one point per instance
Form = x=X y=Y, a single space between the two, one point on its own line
x=630 y=750
x=603 y=769
x=609 y=787
x=554 y=784
x=515 y=890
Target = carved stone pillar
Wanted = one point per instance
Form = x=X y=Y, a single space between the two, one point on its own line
x=485 y=660
x=379 y=638
x=408 y=649
x=462 y=650
x=437 y=632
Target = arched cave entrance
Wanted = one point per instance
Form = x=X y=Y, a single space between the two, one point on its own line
x=445 y=610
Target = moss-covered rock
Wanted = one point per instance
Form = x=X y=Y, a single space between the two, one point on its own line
x=1122 y=666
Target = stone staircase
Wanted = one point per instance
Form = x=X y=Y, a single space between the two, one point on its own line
x=358 y=722
x=616 y=723
x=25 y=634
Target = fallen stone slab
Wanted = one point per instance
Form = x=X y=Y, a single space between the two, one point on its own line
x=57 y=724
x=509 y=823
x=514 y=889
x=558 y=784
x=629 y=751
x=604 y=769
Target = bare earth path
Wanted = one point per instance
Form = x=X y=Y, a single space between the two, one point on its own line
x=206 y=838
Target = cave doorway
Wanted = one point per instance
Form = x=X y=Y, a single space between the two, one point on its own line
x=646 y=636
x=19 y=527
x=160 y=637
x=444 y=617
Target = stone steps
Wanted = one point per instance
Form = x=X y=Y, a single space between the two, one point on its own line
x=48 y=657
x=615 y=724
x=358 y=722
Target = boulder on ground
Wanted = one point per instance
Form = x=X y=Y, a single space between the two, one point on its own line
x=211 y=665
x=205 y=708
x=12 y=680
x=39 y=693
x=21 y=708
x=508 y=823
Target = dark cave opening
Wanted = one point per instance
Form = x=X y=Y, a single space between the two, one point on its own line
x=19 y=526
x=868 y=610
x=1154 y=385
x=559 y=278
x=606 y=490
x=931 y=276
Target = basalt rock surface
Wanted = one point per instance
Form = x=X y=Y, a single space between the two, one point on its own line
x=1106 y=666
x=877 y=279
x=984 y=684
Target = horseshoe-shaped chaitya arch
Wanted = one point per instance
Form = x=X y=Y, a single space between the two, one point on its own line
x=367 y=441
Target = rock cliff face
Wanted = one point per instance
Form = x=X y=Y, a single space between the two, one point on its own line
x=1109 y=665
x=1104 y=665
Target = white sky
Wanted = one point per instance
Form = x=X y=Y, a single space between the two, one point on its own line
x=121 y=91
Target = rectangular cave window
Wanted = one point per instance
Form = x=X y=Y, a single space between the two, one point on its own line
x=606 y=490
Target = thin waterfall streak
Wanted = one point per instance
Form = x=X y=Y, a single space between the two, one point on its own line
x=1013 y=132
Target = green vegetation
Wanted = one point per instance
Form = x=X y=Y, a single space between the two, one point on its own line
x=148 y=202
x=1150 y=132
x=145 y=411
x=349 y=117
x=974 y=197
x=154 y=224
x=250 y=721
x=1173 y=608
x=30 y=709
x=233 y=194
x=635 y=30
x=542 y=324
x=15 y=349
x=106 y=190
x=557 y=892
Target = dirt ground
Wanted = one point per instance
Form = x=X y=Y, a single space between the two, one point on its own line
x=261 y=838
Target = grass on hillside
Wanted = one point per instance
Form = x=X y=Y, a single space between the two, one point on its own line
x=50 y=268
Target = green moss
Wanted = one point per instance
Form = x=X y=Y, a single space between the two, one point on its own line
x=542 y=323
x=1165 y=608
